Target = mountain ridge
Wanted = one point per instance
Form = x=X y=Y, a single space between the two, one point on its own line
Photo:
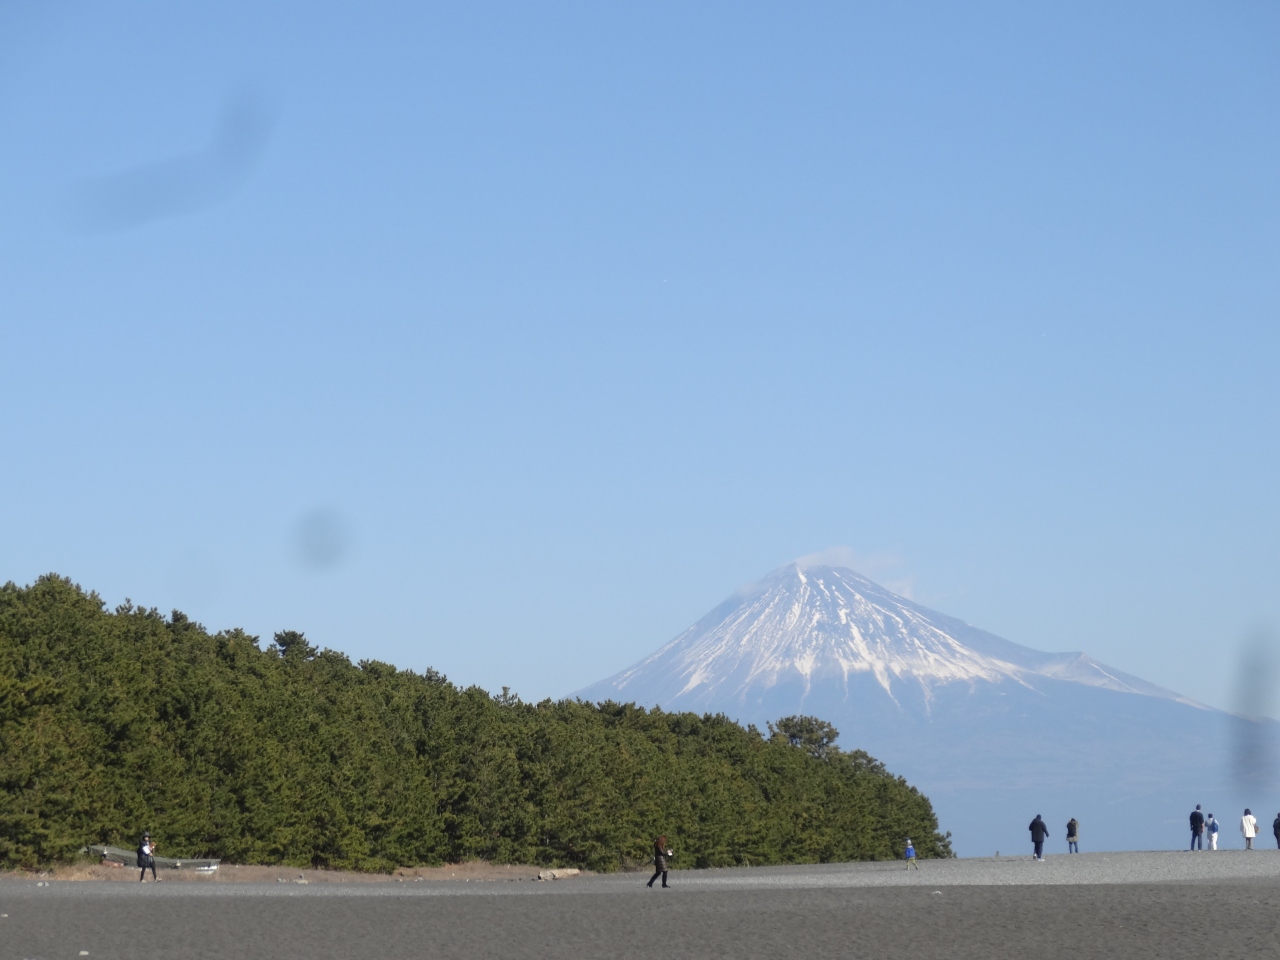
x=815 y=620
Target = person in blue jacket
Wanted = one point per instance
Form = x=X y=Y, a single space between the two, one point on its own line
x=910 y=855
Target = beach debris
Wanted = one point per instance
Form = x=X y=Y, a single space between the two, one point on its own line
x=120 y=857
x=560 y=873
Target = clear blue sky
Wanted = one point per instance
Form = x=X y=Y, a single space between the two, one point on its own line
x=509 y=339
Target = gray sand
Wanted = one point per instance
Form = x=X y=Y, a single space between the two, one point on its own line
x=1168 y=905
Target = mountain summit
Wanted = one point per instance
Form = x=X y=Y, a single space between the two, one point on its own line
x=818 y=630
x=990 y=730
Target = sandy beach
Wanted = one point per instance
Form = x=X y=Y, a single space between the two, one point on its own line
x=1092 y=905
x=256 y=873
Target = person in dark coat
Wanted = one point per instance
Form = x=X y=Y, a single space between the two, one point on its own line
x=1275 y=829
x=1039 y=833
x=1197 y=828
x=147 y=856
x=1073 y=835
x=660 y=855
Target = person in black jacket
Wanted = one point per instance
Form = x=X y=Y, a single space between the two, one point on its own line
x=147 y=857
x=1039 y=833
x=1275 y=829
x=1197 y=828
x=660 y=855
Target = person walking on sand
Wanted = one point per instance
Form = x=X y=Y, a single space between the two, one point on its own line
x=1039 y=833
x=1073 y=835
x=1248 y=828
x=910 y=854
x=1197 y=828
x=147 y=857
x=660 y=855
x=1275 y=829
x=1211 y=831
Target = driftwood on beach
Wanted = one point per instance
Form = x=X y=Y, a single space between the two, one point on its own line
x=129 y=858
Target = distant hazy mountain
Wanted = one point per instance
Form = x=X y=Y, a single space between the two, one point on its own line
x=992 y=731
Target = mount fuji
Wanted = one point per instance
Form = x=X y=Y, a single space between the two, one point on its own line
x=991 y=731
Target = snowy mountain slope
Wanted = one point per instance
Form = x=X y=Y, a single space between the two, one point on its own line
x=984 y=726
x=812 y=625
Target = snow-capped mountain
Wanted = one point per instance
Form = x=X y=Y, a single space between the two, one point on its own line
x=987 y=728
x=811 y=626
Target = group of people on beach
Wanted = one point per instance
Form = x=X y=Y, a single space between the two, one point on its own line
x=1040 y=833
x=1201 y=826
x=1206 y=828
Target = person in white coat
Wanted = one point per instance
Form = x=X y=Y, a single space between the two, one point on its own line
x=1211 y=831
x=1249 y=828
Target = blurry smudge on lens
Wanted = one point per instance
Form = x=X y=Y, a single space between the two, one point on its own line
x=1254 y=732
x=321 y=540
x=182 y=184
